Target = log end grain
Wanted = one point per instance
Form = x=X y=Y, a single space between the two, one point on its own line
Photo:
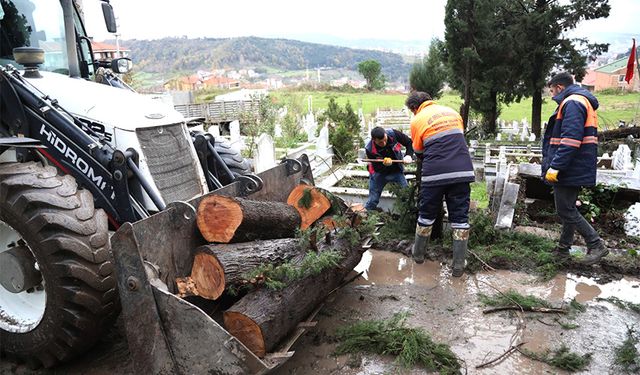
x=218 y=218
x=317 y=207
x=208 y=275
x=246 y=331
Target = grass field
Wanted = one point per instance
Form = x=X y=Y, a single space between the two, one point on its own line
x=613 y=107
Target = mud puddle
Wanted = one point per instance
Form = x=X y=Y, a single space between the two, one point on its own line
x=449 y=310
x=445 y=307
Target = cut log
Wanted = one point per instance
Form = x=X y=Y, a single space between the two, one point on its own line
x=218 y=267
x=226 y=219
x=264 y=317
x=310 y=203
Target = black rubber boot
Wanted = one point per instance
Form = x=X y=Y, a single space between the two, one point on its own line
x=421 y=243
x=561 y=253
x=460 y=241
x=595 y=254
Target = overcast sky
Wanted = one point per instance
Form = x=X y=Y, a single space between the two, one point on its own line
x=373 y=19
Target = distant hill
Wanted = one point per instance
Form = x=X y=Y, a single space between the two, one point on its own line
x=179 y=54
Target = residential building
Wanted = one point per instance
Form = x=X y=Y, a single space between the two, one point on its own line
x=104 y=51
x=611 y=76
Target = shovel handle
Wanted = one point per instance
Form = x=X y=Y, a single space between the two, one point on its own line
x=381 y=160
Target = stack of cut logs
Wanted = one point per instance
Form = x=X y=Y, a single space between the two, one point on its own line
x=247 y=234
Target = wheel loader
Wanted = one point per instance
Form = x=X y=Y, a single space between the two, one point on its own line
x=98 y=190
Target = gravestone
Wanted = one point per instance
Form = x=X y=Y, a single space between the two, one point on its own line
x=621 y=159
x=235 y=139
x=532 y=137
x=214 y=130
x=265 y=153
x=499 y=137
x=310 y=126
x=277 y=131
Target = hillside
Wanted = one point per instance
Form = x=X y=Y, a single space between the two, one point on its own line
x=182 y=54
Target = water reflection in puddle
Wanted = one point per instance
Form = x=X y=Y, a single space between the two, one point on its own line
x=387 y=268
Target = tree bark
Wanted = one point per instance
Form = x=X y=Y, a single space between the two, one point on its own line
x=261 y=319
x=536 y=112
x=316 y=204
x=217 y=267
x=226 y=219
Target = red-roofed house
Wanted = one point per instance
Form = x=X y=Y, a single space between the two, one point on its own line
x=104 y=51
x=221 y=82
x=189 y=83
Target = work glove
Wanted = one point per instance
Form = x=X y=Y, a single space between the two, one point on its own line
x=552 y=175
x=387 y=162
x=407 y=159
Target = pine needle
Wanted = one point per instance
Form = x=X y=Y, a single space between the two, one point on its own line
x=410 y=346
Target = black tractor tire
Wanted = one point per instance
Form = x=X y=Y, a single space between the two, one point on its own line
x=69 y=239
x=232 y=158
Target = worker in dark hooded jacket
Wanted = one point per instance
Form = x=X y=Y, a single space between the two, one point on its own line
x=569 y=158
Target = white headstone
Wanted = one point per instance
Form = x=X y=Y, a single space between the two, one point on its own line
x=277 y=131
x=499 y=137
x=621 y=159
x=310 y=126
x=473 y=143
x=236 y=140
x=214 y=130
x=514 y=125
x=265 y=153
x=234 y=129
x=532 y=137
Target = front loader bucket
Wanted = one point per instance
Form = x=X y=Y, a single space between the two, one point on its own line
x=167 y=334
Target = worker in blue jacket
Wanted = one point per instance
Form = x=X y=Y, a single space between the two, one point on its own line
x=569 y=158
x=386 y=145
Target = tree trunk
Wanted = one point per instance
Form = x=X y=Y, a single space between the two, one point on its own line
x=310 y=203
x=264 y=317
x=226 y=219
x=536 y=112
x=467 y=96
x=217 y=267
x=492 y=117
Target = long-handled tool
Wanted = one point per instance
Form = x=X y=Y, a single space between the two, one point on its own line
x=382 y=160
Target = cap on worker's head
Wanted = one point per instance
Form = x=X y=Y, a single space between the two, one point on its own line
x=563 y=78
x=415 y=99
x=377 y=132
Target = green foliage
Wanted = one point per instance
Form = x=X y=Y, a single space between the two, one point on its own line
x=635 y=307
x=411 y=346
x=265 y=55
x=627 y=356
x=511 y=250
x=343 y=131
x=278 y=277
x=561 y=358
x=577 y=306
x=306 y=199
x=259 y=120
x=402 y=221
x=429 y=74
x=513 y=298
x=596 y=200
x=479 y=194
x=371 y=70
x=308 y=238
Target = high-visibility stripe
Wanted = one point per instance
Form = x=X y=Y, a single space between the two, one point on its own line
x=441 y=134
x=444 y=176
x=591 y=139
x=570 y=142
x=426 y=222
x=555 y=141
x=460 y=226
x=592 y=117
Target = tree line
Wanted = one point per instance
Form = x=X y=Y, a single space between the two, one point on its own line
x=496 y=52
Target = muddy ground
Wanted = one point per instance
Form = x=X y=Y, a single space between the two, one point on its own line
x=447 y=308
